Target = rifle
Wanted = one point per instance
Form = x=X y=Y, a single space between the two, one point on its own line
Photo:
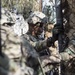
x=59 y=21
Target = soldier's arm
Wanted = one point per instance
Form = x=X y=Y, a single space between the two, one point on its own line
x=40 y=45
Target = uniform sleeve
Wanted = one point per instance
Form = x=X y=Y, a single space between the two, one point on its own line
x=40 y=45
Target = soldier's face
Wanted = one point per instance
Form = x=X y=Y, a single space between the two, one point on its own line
x=37 y=30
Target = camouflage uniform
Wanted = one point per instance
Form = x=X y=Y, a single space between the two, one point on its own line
x=34 y=42
x=30 y=45
x=10 y=63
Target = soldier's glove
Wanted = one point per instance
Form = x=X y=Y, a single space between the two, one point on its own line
x=56 y=31
x=64 y=42
x=59 y=30
x=50 y=41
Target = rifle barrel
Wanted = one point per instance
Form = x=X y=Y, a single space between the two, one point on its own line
x=59 y=21
x=59 y=16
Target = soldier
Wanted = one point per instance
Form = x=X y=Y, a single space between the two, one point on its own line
x=8 y=64
x=31 y=44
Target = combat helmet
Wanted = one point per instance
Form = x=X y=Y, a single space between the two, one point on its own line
x=37 y=17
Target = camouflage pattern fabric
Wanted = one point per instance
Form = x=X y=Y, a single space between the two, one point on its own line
x=37 y=17
x=11 y=63
x=31 y=46
x=9 y=67
x=35 y=43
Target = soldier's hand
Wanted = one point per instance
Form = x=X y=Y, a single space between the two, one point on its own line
x=56 y=31
x=50 y=42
